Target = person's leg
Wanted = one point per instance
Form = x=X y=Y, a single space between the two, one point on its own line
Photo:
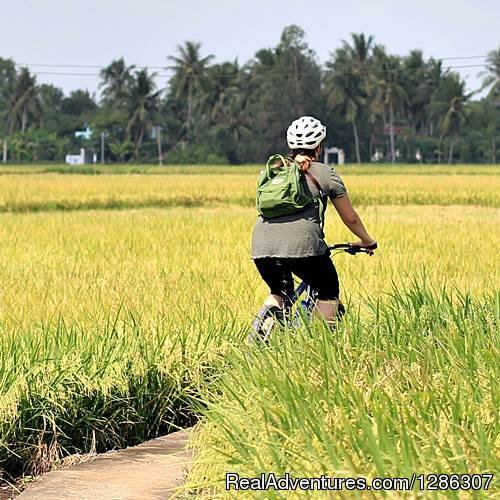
x=330 y=310
x=320 y=273
x=274 y=300
x=278 y=277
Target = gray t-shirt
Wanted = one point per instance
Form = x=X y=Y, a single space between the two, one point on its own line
x=299 y=234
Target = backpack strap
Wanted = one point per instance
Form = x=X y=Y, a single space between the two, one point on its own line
x=272 y=161
x=322 y=195
x=316 y=183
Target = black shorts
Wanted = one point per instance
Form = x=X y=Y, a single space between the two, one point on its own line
x=317 y=271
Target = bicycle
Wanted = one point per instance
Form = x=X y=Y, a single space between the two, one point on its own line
x=268 y=316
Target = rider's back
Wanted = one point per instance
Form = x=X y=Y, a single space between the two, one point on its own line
x=298 y=234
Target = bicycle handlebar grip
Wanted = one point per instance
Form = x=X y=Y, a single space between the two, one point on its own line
x=354 y=249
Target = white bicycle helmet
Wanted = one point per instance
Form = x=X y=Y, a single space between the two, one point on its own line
x=306 y=132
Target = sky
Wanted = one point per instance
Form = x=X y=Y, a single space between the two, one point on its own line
x=145 y=32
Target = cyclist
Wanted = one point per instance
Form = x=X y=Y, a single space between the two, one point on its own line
x=295 y=243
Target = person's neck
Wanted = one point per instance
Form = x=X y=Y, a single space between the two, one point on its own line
x=300 y=158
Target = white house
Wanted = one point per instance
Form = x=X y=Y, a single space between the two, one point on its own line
x=335 y=151
x=76 y=159
x=82 y=158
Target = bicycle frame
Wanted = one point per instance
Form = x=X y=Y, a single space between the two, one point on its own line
x=266 y=318
x=308 y=302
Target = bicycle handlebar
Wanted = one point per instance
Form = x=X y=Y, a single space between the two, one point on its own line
x=354 y=249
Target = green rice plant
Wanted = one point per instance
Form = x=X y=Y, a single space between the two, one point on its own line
x=408 y=385
x=65 y=389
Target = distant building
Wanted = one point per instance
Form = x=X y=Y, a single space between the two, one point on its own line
x=82 y=158
x=337 y=153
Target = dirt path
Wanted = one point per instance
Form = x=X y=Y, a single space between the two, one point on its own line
x=152 y=470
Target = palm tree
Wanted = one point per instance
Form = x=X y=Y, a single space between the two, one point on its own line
x=447 y=107
x=389 y=93
x=360 y=51
x=221 y=84
x=7 y=79
x=485 y=122
x=116 y=80
x=416 y=88
x=433 y=78
x=190 y=73
x=232 y=125
x=265 y=61
x=143 y=107
x=344 y=88
x=121 y=149
x=492 y=72
x=25 y=104
x=349 y=80
x=296 y=74
x=452 y=121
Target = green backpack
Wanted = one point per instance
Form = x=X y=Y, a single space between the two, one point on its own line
x=282 y=190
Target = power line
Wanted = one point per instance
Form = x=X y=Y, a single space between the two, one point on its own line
x=88 y=66
x=60 y=65
x=96 y=66
x=459 y=57
x=467 y=66
x=389 y=70
x=62 y=74
x=80 y=74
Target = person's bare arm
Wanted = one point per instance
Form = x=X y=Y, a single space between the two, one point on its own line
x=352 y=220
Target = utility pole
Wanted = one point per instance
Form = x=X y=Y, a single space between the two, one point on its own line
x=102 y=147
x=158 y=141
x=5 y=150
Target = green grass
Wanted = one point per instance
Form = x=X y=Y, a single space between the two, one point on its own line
x=407 y=384
x=67 y=388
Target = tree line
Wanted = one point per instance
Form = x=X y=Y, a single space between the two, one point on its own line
x=376 y=106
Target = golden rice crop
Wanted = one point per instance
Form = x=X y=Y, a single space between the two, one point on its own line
x=86 y=265
x=70 y=192
x=364 y=169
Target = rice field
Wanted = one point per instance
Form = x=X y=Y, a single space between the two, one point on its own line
x=53 y=192
x=125 y=300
